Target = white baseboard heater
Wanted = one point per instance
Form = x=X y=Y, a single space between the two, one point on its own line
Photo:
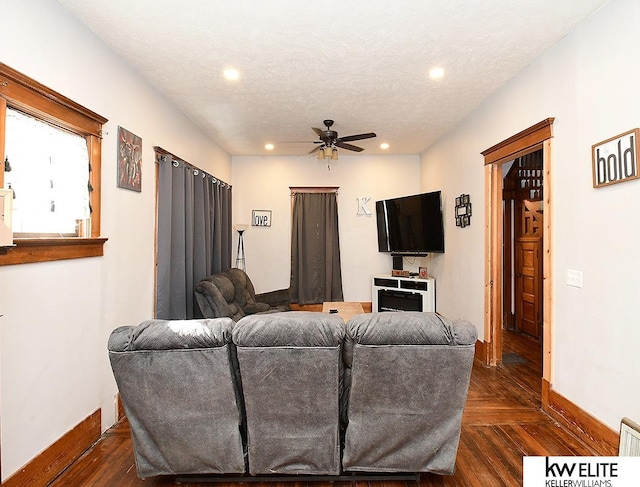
x=629 y=439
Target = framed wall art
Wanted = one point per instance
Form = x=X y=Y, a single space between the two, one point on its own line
x=129 y=160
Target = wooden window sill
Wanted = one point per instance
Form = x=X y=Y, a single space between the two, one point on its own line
x=28 y=250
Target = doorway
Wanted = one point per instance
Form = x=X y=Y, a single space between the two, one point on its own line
x=536 y=138
x=523 y=231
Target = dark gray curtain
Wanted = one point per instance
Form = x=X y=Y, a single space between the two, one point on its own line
x=315 y=249
x=193 y=234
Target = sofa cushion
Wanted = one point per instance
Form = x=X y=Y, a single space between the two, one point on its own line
x=253 y=308
x=289 y=329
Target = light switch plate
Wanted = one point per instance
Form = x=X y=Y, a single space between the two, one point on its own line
x=574 y=278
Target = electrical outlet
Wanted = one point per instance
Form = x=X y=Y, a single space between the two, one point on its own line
x=574 y=278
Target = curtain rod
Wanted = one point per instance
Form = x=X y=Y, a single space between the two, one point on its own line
x=313 y=189
x=165 y=153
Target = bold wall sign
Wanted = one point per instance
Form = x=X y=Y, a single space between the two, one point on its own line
x=616 y=159
x=261 y=218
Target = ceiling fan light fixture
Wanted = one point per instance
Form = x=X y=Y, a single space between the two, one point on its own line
x=334 y=154
x=321 y=154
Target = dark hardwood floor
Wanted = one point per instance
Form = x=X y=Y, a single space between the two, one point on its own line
x=502 y=422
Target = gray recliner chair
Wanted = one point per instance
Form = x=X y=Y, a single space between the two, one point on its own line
x=231 y=294
x=291 y=367
x=408 y=375
x=179 y=385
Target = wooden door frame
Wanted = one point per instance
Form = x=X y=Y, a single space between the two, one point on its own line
x=539 y=136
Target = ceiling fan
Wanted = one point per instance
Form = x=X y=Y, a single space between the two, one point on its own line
x=329 y=141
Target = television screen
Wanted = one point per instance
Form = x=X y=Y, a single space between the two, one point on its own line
x=410 y=224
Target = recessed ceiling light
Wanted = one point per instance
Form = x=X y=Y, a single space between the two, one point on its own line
x=231 y=74
x=269 y=146
x=436 y=73
x=384 y=146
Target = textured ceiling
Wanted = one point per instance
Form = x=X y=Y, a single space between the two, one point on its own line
x=362 y=63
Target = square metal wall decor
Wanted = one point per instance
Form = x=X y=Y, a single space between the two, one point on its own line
x=463 y=211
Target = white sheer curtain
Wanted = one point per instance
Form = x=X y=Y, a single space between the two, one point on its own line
x=49 y=175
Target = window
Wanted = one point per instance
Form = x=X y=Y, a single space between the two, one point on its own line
x=50 y=149
x=50 y=179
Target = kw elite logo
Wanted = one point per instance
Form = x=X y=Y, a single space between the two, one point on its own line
x=580 y=474
x=581 y=471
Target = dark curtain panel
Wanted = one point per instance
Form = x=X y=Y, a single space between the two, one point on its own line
x=193 y=234
x=315 y=249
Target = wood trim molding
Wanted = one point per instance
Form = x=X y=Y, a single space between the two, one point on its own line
x=46 y=103
x=538 y=136
x=25 y=94
x=481 y=351
x=120 y=413
x=45 y=467
x=29 y=250
x=313 y=189
x=595 y=433
x=520 y=143
x=548 y=319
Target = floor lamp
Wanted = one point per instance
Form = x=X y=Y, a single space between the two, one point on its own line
x=240 y=262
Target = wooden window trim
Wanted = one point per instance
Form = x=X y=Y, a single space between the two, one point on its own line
x=27 y=95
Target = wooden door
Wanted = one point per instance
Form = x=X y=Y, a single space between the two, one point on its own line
x=528 y=268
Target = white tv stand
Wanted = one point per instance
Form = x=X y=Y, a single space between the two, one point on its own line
x=390 y=293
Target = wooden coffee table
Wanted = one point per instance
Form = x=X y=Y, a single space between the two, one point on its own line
x=346 y=310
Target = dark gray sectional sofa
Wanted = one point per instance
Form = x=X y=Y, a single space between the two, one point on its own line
x=294 y=393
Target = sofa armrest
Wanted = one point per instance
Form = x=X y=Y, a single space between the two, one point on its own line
x=281 y=297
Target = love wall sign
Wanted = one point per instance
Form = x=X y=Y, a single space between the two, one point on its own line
x=261 y=218
x=615 y=160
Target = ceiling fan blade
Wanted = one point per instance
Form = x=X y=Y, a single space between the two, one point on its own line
x=316 y=149
x=355 y=148
x=320 y=133
x=349 y=138
x=299 y=142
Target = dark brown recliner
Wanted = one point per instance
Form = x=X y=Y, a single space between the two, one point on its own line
x=231 y=294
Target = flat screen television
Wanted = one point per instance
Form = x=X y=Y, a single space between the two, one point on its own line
x=410 y=225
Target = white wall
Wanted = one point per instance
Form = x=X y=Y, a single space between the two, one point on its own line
x=58 y=315
x=262 y=183
x=588 y=82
